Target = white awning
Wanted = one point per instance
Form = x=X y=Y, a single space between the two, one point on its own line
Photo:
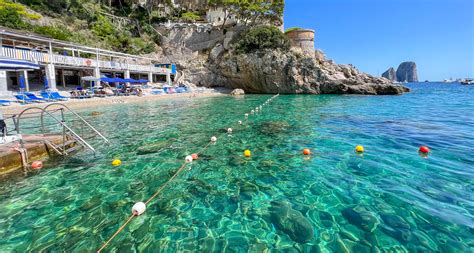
x=90 y=78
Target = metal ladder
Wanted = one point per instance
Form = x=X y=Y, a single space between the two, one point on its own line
x=71 y=140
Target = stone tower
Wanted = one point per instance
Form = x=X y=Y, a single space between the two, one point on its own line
x=304 y=39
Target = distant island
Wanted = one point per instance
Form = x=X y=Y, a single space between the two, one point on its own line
x=406 y=72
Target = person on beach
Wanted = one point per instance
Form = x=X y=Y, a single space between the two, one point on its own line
x=3 y=126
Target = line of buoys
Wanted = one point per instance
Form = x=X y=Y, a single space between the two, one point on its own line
x=140 y=207
x=248 y=153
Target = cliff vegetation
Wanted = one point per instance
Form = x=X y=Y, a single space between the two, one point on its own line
x=123 y=25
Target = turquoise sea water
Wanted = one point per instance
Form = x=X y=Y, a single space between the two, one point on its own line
x=388 y=200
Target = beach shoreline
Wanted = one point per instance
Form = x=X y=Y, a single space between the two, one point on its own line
x=105 y=101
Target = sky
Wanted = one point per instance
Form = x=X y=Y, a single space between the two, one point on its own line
x=374 y=35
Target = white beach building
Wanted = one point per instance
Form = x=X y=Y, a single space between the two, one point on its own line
x=64 y=63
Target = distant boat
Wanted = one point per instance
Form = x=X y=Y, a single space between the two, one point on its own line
x=427 y=81
x=467 y=82
x=449 y=80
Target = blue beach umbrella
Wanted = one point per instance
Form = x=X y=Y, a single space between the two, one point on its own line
x=22 y=83
x=45 y=83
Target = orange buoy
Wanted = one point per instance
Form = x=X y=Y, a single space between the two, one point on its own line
x=424 y=150
x=306 y=151
x=37 y=165
x=195 y=156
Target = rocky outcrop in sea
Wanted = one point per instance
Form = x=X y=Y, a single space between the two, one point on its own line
x=407 y=72
x=276 y=71
x=390 y=74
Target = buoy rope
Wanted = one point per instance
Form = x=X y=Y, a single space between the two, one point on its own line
x=183 y=166
x=116 y=233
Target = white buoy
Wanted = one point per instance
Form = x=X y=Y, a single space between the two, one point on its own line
x=246 y=115
x=138 y=208
x=240 y=122
x=260 y=107
x=229 y=130
x=213 y=139
x=252 y=111
x=188 y=159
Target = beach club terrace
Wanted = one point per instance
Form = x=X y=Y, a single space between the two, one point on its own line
x=63 y=63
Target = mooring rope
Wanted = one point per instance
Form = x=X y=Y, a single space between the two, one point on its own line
x=183 y=166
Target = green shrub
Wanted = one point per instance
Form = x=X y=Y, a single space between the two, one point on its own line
x=103 y=27
x=189 y=16
x=55 y=32
x=13 y=15
x=262 y=37
x=293 y=29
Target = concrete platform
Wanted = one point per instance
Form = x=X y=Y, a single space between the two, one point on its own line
x=10 y=159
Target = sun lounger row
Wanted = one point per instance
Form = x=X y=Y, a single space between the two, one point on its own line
x=28 y=97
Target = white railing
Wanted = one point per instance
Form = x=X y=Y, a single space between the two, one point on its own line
x=41 y=57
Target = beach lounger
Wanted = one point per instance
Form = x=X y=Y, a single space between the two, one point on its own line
x=24 y=99
x=46 y=95
x=57 y=96
x=5 y=102
x=157 y=92
x=34 y=97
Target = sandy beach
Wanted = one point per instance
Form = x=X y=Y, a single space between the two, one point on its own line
x=108 y=101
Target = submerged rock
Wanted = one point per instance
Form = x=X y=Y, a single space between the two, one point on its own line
x=152 y=148
x=361 y=217
x=274 y=127
x=395 y=221
x=291 y=222
x=96 y=113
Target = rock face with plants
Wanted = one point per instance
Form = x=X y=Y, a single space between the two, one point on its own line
x=260 y=60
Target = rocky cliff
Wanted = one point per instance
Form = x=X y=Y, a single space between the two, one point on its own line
x=407 y=72
x=390 y=74
x=216 y=64
x=275 y=71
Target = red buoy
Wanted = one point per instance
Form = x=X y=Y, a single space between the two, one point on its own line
x=37 y=165
x=195 y=156
x=306 y=151
x=424 y=150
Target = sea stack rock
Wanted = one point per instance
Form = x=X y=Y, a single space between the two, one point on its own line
x=407 y=72
x=390 y=74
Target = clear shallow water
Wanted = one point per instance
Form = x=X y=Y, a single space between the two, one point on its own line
x=388 y=200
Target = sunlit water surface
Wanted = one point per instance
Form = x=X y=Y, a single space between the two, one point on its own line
x=389 y=199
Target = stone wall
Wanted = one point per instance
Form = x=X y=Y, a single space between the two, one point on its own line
x=304 y=39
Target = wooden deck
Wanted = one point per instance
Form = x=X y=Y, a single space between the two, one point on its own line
x=10 y=159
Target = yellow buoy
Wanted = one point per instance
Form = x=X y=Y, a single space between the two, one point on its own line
x=247 y=153
x=359 y=149
x=116 y=162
